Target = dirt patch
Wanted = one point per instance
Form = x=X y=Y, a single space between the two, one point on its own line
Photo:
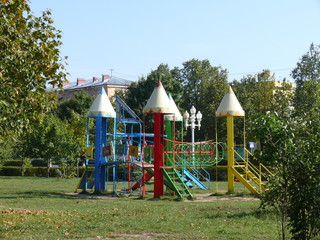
x=200 y=197
x=147 y=235
x=208 y=197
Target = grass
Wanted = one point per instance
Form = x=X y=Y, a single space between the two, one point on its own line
x=37 y=208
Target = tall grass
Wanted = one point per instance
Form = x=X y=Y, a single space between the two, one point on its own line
x=37 y=208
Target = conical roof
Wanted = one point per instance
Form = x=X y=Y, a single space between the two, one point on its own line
x=176 y=113
x=230 y=105
x=158 y=101
x=101 y=106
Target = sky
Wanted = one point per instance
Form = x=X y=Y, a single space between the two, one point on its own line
x=130 y=38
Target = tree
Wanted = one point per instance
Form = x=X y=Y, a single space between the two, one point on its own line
x=292 y=150
x=79 y=104
x=30 y=58
x=204 y=87
x=307 y=79
x=54 y=140
x=139 y=92
x=261 y=93
x=75 y=113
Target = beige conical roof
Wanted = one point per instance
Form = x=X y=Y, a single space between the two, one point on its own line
x=230 y=106
x=176 y=113
x=102 y=106
x=158 y=101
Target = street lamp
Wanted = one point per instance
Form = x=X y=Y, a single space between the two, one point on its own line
x=193 y=117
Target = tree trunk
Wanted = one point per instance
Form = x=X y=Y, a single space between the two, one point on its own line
x=48 y=167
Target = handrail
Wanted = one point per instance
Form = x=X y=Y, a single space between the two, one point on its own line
x=260 y=164
x=169 y=140
x=248 y=167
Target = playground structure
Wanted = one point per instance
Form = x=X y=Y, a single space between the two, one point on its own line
x=132 y=158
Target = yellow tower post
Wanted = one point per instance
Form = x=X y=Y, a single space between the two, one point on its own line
x=230 y=108
x=230 y=143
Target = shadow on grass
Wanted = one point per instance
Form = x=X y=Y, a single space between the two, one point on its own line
x=257 y=213
x=36 y=194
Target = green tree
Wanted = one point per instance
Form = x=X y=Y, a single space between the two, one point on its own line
x=307 y=79
x=6 y=150
x=292 y=150
x=75 y=112
x=53 y=140
x=139 y=92
x=30 y=59
x=204 y=87
x=79 y=104
x=261 y=93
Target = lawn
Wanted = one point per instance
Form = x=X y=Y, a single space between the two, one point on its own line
x=38 y=208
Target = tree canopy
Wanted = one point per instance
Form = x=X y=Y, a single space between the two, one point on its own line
x=30 y=59
x=197 y=84
x=261 y=93
x=307 y=79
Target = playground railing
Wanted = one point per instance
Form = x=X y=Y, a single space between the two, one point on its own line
x=206 y=153
x=263 y=169
x=257 y=173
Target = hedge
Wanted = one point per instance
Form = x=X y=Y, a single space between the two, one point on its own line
x=41 y=171
x=219 y=174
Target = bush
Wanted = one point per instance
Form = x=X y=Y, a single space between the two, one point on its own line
x=39 y=163
x=10 y=171
x=40 y=171
x=13 y=163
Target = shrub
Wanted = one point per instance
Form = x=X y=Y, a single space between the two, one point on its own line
x=40 y=171
x=13 y=163
x=39 y=163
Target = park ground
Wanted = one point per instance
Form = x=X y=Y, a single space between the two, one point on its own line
x=47 y=208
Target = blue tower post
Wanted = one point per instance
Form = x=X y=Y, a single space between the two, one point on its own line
x=101 y=109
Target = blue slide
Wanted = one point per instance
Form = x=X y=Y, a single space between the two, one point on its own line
x=195 y=180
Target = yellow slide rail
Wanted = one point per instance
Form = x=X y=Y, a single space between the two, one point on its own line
x=257 y=173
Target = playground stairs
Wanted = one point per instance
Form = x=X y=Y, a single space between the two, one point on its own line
x=194 y=179
x=174 y=180
x=189 y=178
x=250 y=175
x=87 y=180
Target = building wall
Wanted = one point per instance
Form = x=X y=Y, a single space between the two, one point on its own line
x=92 y=91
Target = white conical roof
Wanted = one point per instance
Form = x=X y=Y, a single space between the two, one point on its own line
x=176 y=114
x=158 y=101
x=230 y=105
x=102 y=106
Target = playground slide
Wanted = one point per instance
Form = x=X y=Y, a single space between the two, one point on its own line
x=195 y=180
x=87 y=181
x=149 y=175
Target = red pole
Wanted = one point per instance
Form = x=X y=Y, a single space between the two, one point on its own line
x=158 y=156
x=144 y=189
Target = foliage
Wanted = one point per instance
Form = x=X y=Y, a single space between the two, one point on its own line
x=79 y=104
x=61 y=139
x=30 y=58
x=53 y=140
x=6 y=150
x=139 y=92
x=204 y=87
x=291 y=148
x=194 y=84
x=261 y=93
x=69 y=171
x=307 y=79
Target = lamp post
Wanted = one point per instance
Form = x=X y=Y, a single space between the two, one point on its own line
x=193 y=117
